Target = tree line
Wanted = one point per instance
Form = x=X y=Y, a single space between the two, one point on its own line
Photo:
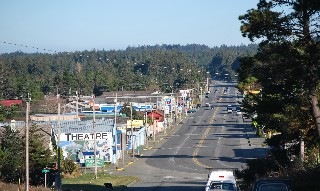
x=160 y=67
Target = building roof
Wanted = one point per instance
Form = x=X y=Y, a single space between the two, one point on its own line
x=155 y=115
x=9 y=103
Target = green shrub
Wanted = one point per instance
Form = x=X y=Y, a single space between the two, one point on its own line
x=68 y=166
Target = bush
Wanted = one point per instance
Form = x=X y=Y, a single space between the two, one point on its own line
x=68 y=166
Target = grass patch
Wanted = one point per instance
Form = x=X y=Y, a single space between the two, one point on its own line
x=87 y=182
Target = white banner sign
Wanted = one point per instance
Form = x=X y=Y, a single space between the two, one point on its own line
x=84 y=136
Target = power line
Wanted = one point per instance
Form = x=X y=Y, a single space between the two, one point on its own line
x=26 y=46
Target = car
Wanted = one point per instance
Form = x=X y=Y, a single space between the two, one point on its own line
x=207 y=104
x=229 y=108
x=225 y=91
x=198 y=105
x=271 y=185
x=221 y=180
x=238 y=109
x=191 y=111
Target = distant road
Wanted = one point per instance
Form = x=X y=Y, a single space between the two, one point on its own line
x=209 y=138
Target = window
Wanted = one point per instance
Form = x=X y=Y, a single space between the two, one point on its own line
x=222 y=186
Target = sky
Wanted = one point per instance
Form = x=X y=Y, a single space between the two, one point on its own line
x=78 y=25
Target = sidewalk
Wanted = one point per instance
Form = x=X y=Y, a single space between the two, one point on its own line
x=128 y=159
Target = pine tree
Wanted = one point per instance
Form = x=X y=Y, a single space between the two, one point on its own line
x=11 y=154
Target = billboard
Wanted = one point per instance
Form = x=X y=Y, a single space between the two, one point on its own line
x=77 y=146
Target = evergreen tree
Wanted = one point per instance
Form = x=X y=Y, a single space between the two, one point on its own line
x=12 y=155
x=11 y=149
x=40 y=155
x=289 y=54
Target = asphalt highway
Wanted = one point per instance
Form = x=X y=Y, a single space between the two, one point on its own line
x=208 y=138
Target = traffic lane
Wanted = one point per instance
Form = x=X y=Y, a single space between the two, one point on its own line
x=161 y=173
x=229 y=143
x=157 y=179
x=207 y=151
x=176 y=153
x=234 y=147
x=223 y=138
x=197 y=142
x=171 y=183
x=231 y=137
x=191 y=147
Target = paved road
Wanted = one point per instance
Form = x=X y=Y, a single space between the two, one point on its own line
x=209 y=138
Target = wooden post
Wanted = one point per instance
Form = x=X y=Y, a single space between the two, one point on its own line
x=27 y=147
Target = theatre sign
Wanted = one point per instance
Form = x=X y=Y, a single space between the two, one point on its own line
x=83 y=136
x=77 y=139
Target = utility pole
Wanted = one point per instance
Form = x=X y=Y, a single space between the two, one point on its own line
x=171 y=108
x=175 y=108
x=58 y=181
x=77 y=105
x=153 y=128
x=27 y=147
x=132 y=149
x=164 y=123
x=145 y=123
x=116 y=134
x=94 y=141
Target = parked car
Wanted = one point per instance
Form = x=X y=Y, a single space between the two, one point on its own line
x=198 y=105
x=271 y=185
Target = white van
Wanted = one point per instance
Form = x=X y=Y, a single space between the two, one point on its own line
x=221 y=179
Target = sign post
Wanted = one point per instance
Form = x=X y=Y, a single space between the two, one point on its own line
x=45 y=171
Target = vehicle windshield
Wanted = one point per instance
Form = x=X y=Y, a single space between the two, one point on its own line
x=221 y=186
x=273 y=187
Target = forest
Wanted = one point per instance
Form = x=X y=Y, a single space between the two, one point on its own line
x=160 y=67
